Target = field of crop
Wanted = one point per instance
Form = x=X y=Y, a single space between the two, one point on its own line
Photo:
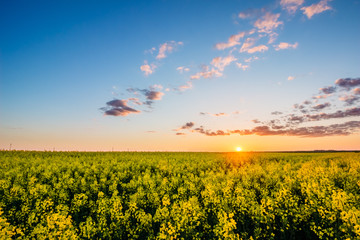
x=71 y=195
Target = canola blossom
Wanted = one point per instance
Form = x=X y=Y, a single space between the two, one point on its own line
x=135 y=195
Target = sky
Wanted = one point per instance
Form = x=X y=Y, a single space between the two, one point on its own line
x=191 y=75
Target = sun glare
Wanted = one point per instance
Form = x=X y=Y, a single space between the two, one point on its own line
x=238 y=149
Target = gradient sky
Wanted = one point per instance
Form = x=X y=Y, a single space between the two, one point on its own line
x=180 y=75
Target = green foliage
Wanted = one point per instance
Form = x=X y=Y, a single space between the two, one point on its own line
x=72 y=195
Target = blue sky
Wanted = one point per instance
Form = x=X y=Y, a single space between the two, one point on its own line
x=180 y=75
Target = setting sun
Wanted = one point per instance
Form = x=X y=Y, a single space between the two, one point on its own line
x=238 y=149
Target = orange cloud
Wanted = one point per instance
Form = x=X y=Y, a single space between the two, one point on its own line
x=316 y=8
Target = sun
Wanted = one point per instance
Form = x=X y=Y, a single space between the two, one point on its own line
x=238 y=149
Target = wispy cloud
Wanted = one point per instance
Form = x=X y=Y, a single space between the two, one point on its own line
x=251 y=13
x=316 y=8
x=284 y=45
x=221 y=114
x=184 y=87
x=268 y=22
x=222 y=62
x=251 y=59
x=183 y=69
x=249 y=42
x=167 y=47
x=260 y=48
x=207 y=73
x=290 y=78
x=242 y=66
x=232 y=41
x=291 y=5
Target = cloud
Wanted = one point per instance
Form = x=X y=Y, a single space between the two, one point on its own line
x=148 y=69
x=180 y=134
x=135 y=101
x=348 y=82
x=284 y=45
x=291 y=5
x=232 y=41
x=184 y=87
x=316 y=8
x=349 y=99
x=187 y=125
x=356 y=91
x=249 y=42
x=152 y=95
x=351 y=112
x=290 y=78
x=251 y=59
x=182 y=69
x=321 y=96
x=156 y=86
x=118 y=107
x=221 y=63
x=321 y=106
x=251 y=13
x=276 y=113
x=341 y=129
x=268 y=22
x=221 y=114
x=328 y=90
x=167 y=47
x=242 y=66
x=260 y=48
x=206 y=73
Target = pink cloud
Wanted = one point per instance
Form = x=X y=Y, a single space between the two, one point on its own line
x=221 y=63
x=291 y=5
x=242 y=66
x=184 y=87
x=183 y=69
x=249 y=42
x=232 y=41
x=251 y=59
x=268 y=22
x=284 y=45
x=206 y=73
x=316 y=8
x=260 y=48
x=167 y=47
x=148 y=69
x=290 y=78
